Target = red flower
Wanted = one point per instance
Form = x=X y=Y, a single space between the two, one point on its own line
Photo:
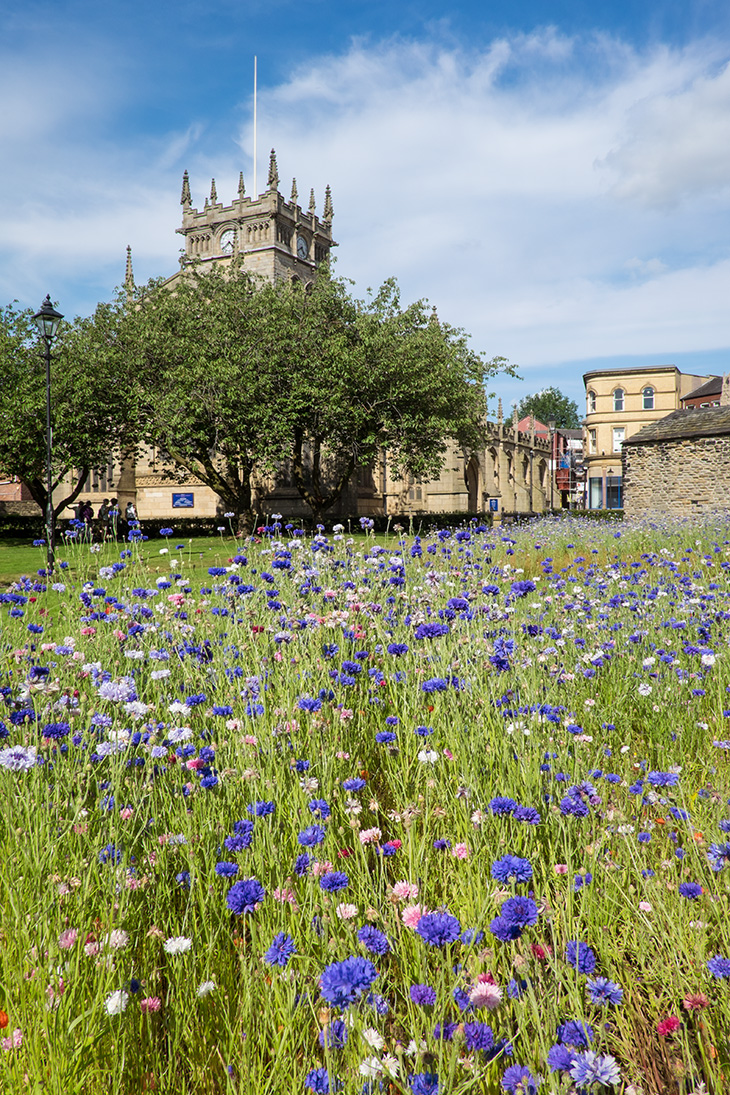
x=667 y=1026
x=3 y=1020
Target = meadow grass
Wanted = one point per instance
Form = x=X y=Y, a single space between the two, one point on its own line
x=493 y=763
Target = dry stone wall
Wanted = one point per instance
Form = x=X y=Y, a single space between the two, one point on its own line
x=678 y=476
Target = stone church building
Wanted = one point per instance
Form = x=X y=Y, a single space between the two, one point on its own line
x=279 y=239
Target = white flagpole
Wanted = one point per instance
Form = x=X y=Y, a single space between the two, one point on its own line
x=255 y=187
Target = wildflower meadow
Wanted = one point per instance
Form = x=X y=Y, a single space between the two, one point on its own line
x=414 y=814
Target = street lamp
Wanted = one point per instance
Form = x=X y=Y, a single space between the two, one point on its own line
x=47 y=321
x=551 y=427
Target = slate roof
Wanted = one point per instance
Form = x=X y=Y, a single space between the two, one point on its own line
x=686 y=423
x=713 y=386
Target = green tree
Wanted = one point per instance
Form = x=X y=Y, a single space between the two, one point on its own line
x=90 y=406
x=236 y=376
x=550 y=405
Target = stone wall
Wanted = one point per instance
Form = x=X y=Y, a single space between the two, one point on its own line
x=678 y=476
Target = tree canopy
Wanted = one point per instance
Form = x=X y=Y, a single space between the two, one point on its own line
x=236 y=376
x=550 y=405
x=91 y=411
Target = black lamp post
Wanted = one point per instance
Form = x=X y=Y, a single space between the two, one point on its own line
x=47 y=321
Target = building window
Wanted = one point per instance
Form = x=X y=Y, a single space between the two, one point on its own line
x=618 y=399
x=613 y=492
x=619 y=433
x=595 y=493
x=591 y=402
x=592 y=441
x=648 y=398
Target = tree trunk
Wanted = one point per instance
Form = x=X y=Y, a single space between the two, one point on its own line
x=312 y=493
x=39 y=493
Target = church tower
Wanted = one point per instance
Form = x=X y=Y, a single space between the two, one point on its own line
x=277 y=238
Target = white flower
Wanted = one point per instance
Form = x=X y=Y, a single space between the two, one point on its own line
x=428 y=756
x=371 y=1067
x=116 y=939
x=346 y=912
x=177 y=944
x=391 y=1065
x=116 y=1002
x=159 y=674
x=206 y=988
x=708 y=659
x=373 y=1038
x=644 y=689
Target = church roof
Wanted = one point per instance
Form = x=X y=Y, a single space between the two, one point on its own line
x=686 y=423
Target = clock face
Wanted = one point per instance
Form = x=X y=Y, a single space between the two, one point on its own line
x=302 y=248
x=227 y=240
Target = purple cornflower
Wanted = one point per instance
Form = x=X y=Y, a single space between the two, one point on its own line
x=663 y=779
x=444 y=1032
x=502 y=805
x=518 y=1080
x=560 y=1058
x=373 y=940
x=334 y=881
x=334 y=1035
x=319 y=1081
x=522 y=588
x=690 y=890
x=281 y=949
x=719 y=966
x=311 y=836
x=431 y=631
x=580 y=956
x=424 y=1083
x=385 y=737
x=575 y=1033
x=478 y=1036
x=511 y=867
x=354 y=784
x=505 y=930
x=423 y=995
x=261 y=809
x=244 y=896
x=239 y=841
x=226 y=870
x=319 y=808
x=438 y=928
x=521 y=911
x=718 y=856
x=590 y=1068
x=604 y=992
x=344 y=982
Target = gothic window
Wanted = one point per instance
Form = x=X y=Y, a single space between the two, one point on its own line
x=648 y=399
x=618 y=399
x=591 y=402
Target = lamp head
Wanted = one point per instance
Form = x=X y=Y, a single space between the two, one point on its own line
x=47 y=320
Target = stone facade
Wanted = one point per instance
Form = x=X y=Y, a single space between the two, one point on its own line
x=679 y=465
x=619 y=402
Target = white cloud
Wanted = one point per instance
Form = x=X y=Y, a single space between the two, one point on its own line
x=560 y=198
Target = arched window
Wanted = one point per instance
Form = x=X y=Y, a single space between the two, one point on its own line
x=648 y=399
x=591 y=402
x=618 y=399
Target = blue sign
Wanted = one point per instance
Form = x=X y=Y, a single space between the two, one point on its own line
x=183 y=501
x=493 y=505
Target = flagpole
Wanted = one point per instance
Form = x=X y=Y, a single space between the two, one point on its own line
x=255 y=186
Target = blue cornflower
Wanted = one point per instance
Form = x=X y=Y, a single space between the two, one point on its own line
x=560 y=1058
x=424 y=1083
x=353 y=784
x=522 y=588
x=718 y=856
x=239 y=841
x=690 y=890
x=502 y=805
x=515 y=988
x=528 y=814
x=478 y=1036
x=663 y=779
x=521 y=911
x=518 y=1080
x=281 y=949
x=397 y=649
x=261 y=809
x=319 y=808
x=438 y=928
x=582 y=880
x=575 y=1033
x=423 y=995
x=334 y=1035
x=226 y=870
x=334 y=881
x=342 y=983
x=505 y=930
x=604 y=992
x=301 y=864
x=444 y=1032
x=311 y=836
x=385 y=737
x=719 y=966
x=511 y=867
x=110 y=854
x=306 y=703
x=373 y=940
x=590 y=1068
x=644 y=838
x=431 y=631
x=318 y=1080
x=580 y=956
x=244 y=896
x=423 y=731
x=435 y=684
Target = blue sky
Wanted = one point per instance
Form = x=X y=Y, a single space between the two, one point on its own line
x=554 y=178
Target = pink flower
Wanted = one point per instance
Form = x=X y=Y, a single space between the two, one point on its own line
x=370 y=836
x=695 y=1001
x=321 y=867
x=412 y=914
x=405 y=891
x=284 y=894
x=88 y=631
x=67 y=939
x=645 y=906
x=346 y=912
x=126 y=813
x=150 y=1003
x=485 y=994
x=15 y=1040
x=250 y=739
x=461 y=851
x=561 y=868
x=667 y=1026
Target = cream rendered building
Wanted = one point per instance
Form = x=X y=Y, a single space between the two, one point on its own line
x=619 y=402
